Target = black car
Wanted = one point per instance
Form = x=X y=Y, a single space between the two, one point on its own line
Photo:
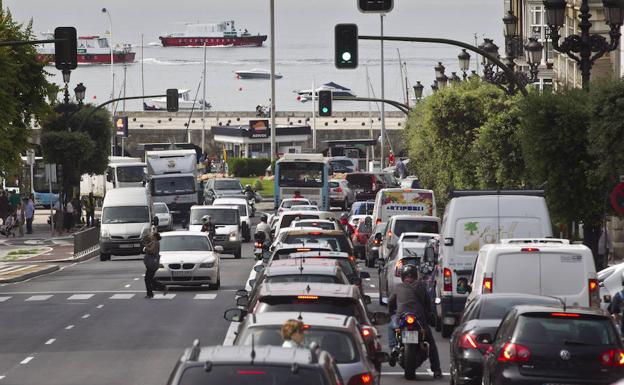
x=476 y=329
x=551 y=345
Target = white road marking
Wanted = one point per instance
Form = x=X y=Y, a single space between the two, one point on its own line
x=127 y=286
x=401 y=373
x=229 y=335
x=86 y=316
x=100 y=306
x=73 y=292
x=38 y=298
x=1 y=377
x=80 y=296
x=162 y=296
x=371 y=285
x=373 y=295
x=27 y=360
x=136 y=279
x=69 y=327
x=2 y=299
x=50 y=341
x=367 y=279
x=205 y=296
x=122 y=296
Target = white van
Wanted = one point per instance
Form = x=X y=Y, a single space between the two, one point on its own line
x=403 y=201
x=549 y=267
x=473 y=219
x=126 y=221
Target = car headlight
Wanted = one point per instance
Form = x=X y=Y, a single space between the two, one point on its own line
x=207 y=265
x=145 y=232
x=233 y=236
x=105 y=233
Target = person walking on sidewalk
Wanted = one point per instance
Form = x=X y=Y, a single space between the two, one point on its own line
x=20 y=218
x=4 y=206
x=90 y=209
x=29 y=214
x=14 y=199
x=68 y=217
x=151 y=262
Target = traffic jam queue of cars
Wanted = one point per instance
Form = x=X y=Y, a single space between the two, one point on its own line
x=518 y=305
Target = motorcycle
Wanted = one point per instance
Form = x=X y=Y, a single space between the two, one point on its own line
x=259 y=244
x=251 y=199
x=411 y=350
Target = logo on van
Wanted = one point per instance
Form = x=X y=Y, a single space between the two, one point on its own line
x=171 y=163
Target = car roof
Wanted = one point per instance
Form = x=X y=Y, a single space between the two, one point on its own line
x=294 y=246
x=316 y=231
x=415 y=218
x=220 y=201
x=528 y=309
x=292 y=289
x=242 y=354
x=183 y=232
x=328 y=320
x=294 y=266
x=321 y=220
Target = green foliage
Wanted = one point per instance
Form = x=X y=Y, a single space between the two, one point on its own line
x=244 y=167
x=258 y=186
x=24 y=91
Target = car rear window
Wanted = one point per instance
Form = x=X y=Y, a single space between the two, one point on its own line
x=304 y=278
x=289 y=204
x=336 y=242
x=415 y=226
x=228 y=185
x=544 y=328
x=365 y=208
x=339 y=344
x=496 y=308
x=348 y=267
x=257 y=374
x=364 y=181
x=287 y=219
x=320 y=225
x=332 y=305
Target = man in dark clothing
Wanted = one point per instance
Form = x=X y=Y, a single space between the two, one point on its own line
x=411 y=296
x=617 y=306
x=90 y=209
x=151 y=260
x=4 y=206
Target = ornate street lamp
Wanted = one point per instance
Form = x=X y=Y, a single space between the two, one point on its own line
x=418 y=90
x=464 y=62
x=80 y=93
x=434 y=86
x=585 y=48
x=441 y=78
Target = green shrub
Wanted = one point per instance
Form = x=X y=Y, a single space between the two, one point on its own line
x=258 y=185
x=244 y=167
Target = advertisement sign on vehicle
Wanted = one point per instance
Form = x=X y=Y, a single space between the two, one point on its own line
x=405 y=202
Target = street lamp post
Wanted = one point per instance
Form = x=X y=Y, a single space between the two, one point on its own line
x=80 y=93
x=418 y=91
x=464 y=62
x=585 y=48
x=440 y=76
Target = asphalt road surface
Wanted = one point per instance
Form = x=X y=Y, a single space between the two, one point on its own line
x=89 y=323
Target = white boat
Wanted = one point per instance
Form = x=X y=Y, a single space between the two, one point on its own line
x=256 y=73
x=337 y=90
x=184 y=103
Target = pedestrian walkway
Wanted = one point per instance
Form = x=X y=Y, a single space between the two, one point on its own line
x=68 y=297
x=10 y=273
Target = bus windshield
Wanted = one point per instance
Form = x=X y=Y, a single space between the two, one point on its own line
x=301 y=174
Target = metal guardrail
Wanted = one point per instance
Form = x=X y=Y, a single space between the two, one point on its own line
x=87 y=242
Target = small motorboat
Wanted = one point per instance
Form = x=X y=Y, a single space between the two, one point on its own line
x=256 y=73
x=184 y=103
x=337 y=90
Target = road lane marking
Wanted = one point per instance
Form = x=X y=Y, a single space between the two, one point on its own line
x=73 y=292
x=373 y=295
x=122 y=296
x=136 y=279
x=100 y=306
x=86 y=316
x=371 y=285
x=127 y=286
x=69 y=327
x=367 y=279
x=1 y=377
x=162 y=296
x=80 y=297
x=2 y=299
x=50 y=341
x=26 y=360
x=205 y=296
x=38 y=298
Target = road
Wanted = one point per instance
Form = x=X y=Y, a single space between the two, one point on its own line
x=89 y=323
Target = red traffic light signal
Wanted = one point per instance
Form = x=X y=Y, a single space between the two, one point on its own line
x=375 y=6
x=65 y=48
x=172 y=99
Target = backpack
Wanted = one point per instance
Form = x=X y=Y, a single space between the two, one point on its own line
x=620 y=298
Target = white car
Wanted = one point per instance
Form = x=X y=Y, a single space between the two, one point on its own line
x=610 y=282
x=340 y=193
x=323 y=224
x=188 y=259
x=307 y=208
x=289 y=203
x=165 y=219
x=406 y=252
x=244 y=211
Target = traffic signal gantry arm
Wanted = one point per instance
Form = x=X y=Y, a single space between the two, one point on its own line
x=400 y=106
x=113 y=101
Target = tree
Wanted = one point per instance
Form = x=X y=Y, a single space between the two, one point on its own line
x=24 y=93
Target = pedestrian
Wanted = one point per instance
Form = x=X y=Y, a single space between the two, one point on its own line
x=4 y=206
x=58 y=217
x=151 y=262
x=68 y=217
x=20 y=218
x=391 y=158
x=400 y=169
x=292 y=334
x=616 y=307
x=90 y=209
x=208 y=227
x=297 y=195
x=29 y=214
x=605 y=246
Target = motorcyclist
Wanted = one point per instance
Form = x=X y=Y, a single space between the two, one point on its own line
x=411 y=296
x=249 y=191
x=208 y=227
x=264 y=226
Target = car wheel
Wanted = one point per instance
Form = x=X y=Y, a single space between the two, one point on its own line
x=345 y=204
x=104 y=257
x=238 y=253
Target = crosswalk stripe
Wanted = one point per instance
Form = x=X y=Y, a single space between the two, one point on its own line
x=80 y=296
x=122 y=296
x=373 y=295
x=205 y=296
x=38 y=298
x=2 y=299
x=162 y=296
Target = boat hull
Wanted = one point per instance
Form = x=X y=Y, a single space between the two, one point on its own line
x=255 y=75
x=99 y=58
x=198 y=41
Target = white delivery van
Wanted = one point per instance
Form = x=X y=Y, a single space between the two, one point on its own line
x=549 y=267
x=403 y=201
x=473 y=219
x=126 y=221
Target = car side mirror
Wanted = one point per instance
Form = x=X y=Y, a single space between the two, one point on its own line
x=367 y=299
x=241 y=293
x=258 y=268
x=252 y=282
x=380 y=318
x=381 y=357
x=235 y=315
x=155 y=221
x=364 y=274
x=218 y=249
x=242 y=301
x=355 y=281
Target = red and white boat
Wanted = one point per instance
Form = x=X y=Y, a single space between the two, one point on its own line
x=91 y=50
x=223 y=34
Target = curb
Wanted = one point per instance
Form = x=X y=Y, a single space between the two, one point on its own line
x=32 y=274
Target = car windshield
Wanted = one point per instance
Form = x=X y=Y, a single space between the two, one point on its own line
x=130 y=173
x=552 y=330
x=125 y=214
x=287 y=219
x=304 y=278
x=320 y=225
x=257 y=374
x=415 y=226
x=496 y=308
x=160 y=208
x=173 y=185
x=218 y=216
x=339 y=344
x=301 y=174
x=336 y=242
x=334 y=184
x=228 y=185
x=342 y=306
x=185 y=243
x=242 y=209
x=289 y=204
x=363 y=208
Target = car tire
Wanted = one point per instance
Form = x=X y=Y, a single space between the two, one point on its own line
x=446 y=330
x=345 y=204
x=104 y=257
x=238 y=253
x=246 y=233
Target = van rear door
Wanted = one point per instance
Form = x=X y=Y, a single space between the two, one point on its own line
x=563 y=274
x=516 y=273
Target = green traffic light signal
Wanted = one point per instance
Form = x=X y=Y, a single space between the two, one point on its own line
x=325 y=102
x=325 y=110
x=346 y=46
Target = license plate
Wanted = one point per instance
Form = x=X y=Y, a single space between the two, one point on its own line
x=128 y=246
x=409 y=337
x=181 y=273
x=258 y=251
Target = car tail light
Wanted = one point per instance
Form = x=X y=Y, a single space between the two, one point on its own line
x=594 y=295
x=367 y=332
x=530 y=249
x=338 y=189
x=378 y=221
x=314 y=233
x=258 y=245
x=514 y=353
x=410 y=319
x=311 y=297
x=488 y=284
x=374 y=185
x=376 y=242
x=572 y=315
x=398 y=267
x=448 y=285
x=613 y=357
x=361 y=379
x=469 y=341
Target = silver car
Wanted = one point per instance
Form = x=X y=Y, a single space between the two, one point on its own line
x=340 y=193
x=406 y=252
x=165 y=218
x=339 y=335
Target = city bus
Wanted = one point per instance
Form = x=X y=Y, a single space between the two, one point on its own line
x=40 y=187
x=306 y=173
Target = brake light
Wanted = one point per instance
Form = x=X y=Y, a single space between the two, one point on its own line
x=389 y=234
x=378 y=221
x=314 y=233
x=397 y=269
x=594 y=295
x=366 y=332
x=572 y=315
x=303 y=249
x=612 y=357
x=514 y=353
x=488 y=283
x=309 y=297
x=374 y=185
x=530 y=249
x=410 y=319
x=339 y=189
x=448 y=285
x=258 y=245
x=361 y=379
x=376 y=241
x=306 y=326
x=468 y=341
x=351 y=258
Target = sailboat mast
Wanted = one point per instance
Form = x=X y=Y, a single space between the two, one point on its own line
x=142 y=61
x=401 y=74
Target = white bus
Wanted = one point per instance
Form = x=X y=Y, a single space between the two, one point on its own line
x=306 y=173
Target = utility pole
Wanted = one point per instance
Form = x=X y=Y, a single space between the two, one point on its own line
x=273 y=130
x=383 y=109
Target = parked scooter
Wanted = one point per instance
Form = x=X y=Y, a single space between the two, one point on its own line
x=411 y=350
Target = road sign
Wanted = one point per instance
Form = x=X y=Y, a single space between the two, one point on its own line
x=375 y=6
x=30 y=157
x=50 y=172
x=617 y=198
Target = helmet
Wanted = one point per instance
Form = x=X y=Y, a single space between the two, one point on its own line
x=409 y=271
x=206 y=218
x=344 y=216
x=264 y=218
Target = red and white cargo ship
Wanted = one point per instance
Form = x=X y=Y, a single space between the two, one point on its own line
x=91 y=50
x=222 y=34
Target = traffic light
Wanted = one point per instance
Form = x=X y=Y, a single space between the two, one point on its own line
x=172 y=99
x=346 y=44
x=65 y=49
x=375 y=6
x=325 y=102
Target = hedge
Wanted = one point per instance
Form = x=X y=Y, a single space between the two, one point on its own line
x=245 y=167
